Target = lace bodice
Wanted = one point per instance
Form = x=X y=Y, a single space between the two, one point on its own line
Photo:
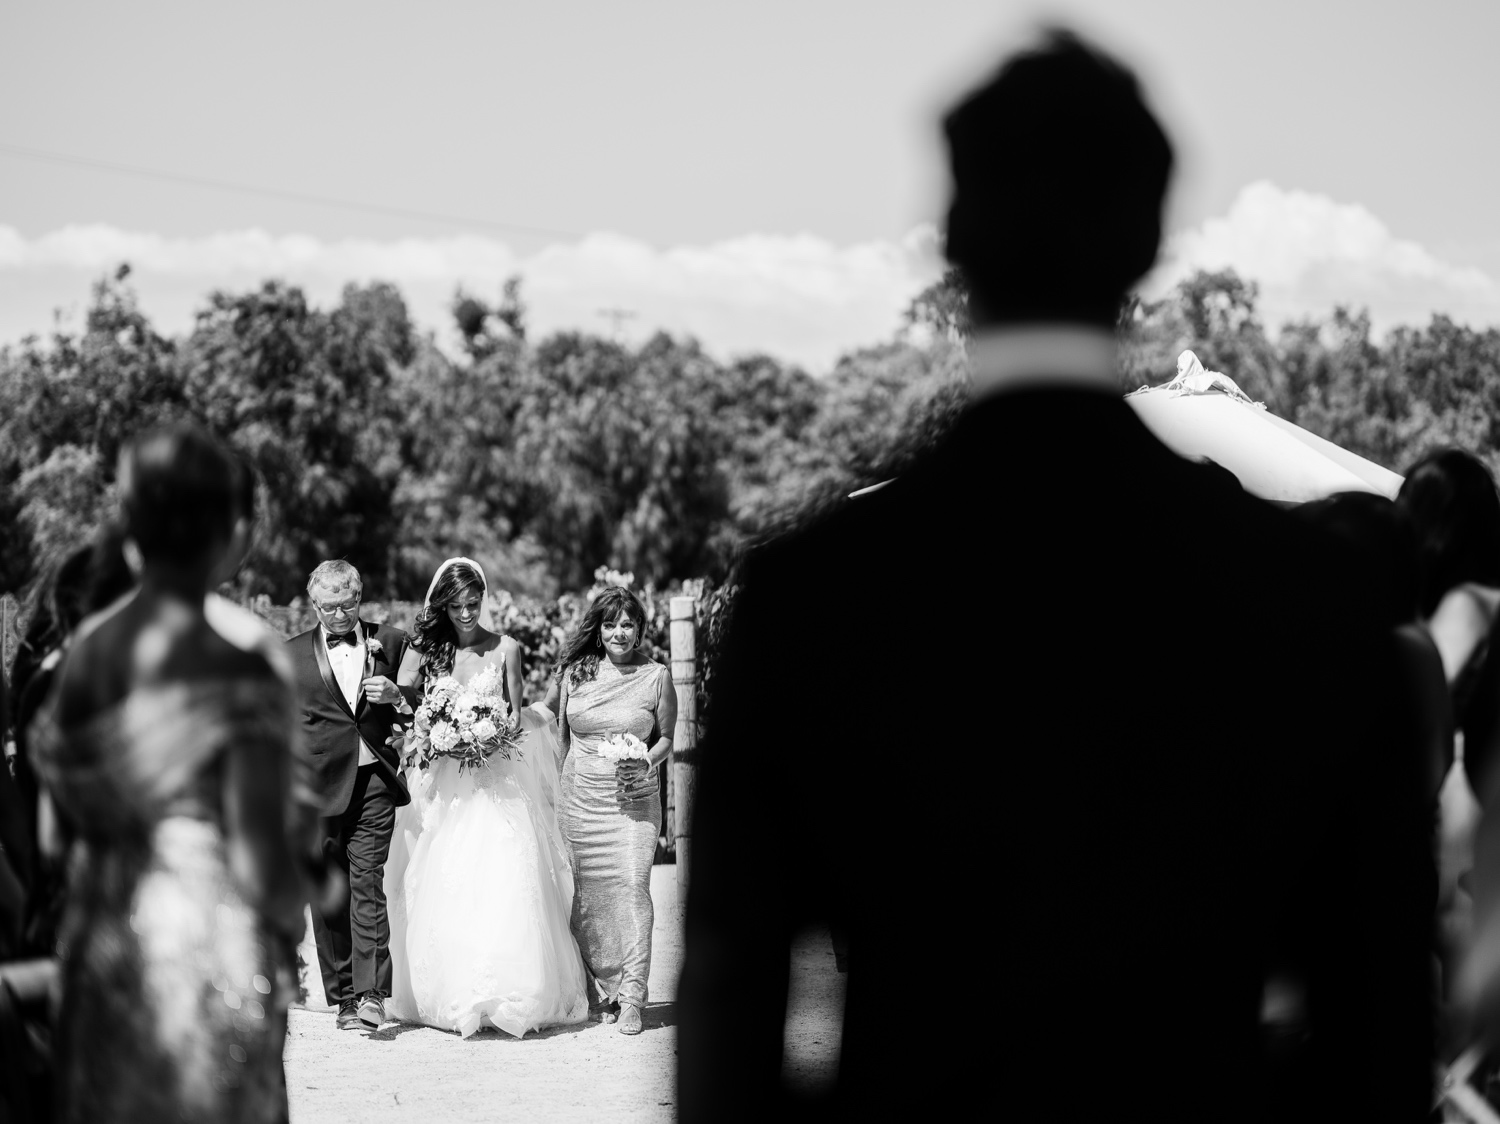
x=466 y=664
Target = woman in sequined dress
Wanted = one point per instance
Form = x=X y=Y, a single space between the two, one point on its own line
x=611 y=813
x=166 y=752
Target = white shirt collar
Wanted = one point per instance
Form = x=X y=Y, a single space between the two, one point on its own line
x=1042 y=355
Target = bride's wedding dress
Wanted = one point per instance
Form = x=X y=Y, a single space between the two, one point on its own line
x=479 y=891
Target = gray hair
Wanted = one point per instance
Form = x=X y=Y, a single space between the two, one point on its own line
x=336 y=576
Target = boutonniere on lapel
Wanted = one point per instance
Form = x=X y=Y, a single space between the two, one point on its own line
x=372 y=654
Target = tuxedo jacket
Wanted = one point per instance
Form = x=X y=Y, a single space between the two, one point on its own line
x=331 y=731
x=1083 y=742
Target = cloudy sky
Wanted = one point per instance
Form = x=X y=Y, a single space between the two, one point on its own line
x=764 y=175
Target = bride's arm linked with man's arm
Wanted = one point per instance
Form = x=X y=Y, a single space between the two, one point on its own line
x=409 y=682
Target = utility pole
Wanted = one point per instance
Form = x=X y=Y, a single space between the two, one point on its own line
x=616 y=318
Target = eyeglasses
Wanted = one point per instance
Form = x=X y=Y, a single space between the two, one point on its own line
x=342 y=607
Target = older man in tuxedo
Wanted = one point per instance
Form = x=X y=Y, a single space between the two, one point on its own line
x=345 y=673
x=1168 y=774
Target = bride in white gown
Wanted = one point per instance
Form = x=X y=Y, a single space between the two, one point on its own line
x=478 y=886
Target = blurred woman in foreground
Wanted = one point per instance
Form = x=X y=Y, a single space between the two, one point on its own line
x=165 y=749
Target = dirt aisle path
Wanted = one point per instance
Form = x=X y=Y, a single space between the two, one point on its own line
x=587 y=1072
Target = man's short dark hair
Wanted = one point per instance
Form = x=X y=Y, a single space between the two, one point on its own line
x=1059 y=174
x=177 y=491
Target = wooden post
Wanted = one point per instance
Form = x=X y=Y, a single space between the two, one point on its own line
x=685 y=737
x=10 y=629
x=10 y=641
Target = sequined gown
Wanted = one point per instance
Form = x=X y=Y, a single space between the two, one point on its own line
x=175 y=988
x=612 y=834
x=480 y=892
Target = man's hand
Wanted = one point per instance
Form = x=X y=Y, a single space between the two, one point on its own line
x=379 y=689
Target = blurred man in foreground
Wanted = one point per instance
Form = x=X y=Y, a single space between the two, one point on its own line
x=1161 y=793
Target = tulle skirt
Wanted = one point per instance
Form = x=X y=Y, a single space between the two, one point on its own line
x=480 y=895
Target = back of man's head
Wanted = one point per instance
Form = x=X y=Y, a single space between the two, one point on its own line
x=1059 y=174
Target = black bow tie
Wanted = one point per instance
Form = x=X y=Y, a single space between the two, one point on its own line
x=342 y=638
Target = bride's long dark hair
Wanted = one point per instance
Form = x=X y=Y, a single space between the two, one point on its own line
x=580 y=655
x=432 y=633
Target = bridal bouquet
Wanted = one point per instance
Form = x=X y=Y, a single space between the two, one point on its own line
x=469 y=721
x=624 y=747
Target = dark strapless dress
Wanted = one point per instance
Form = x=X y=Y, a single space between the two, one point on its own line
x=175 y=988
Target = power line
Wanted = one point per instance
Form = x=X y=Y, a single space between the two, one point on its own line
x=273 y=192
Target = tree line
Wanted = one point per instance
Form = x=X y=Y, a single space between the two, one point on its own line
x=547 y=458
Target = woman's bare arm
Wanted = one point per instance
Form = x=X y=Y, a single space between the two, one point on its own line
x=257 y=783
x=666 y=721
x=515 y=672
x=1460 y=624
x=409 y=676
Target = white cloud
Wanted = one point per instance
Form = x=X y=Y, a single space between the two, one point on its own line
x=796 y=296
x=1309 y=252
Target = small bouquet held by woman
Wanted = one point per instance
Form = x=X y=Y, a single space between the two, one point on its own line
x=469 y=721
x=624 y=747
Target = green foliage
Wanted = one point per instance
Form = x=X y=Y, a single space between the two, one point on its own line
x=942 y=309
x=548 y=458
x=61 y=498
x=64 y=411
x=306 y=395
x=542 y=459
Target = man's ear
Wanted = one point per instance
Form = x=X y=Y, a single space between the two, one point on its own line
x=133 y=556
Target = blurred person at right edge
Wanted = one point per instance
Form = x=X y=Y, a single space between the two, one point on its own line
x=1450 y=498
x=1179 y=749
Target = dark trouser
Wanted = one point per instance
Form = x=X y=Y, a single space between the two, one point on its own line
x=354 y=941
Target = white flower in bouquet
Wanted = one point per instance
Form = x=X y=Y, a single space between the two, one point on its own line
x=441 y=691
x=469 y=722
x=624 y=747
x=444 y=737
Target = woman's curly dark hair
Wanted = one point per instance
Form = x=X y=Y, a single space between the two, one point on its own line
x=432 y=633
x=580 y=655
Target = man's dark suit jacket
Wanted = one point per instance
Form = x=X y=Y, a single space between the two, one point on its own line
x=1080 y=741
x=332 y=732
